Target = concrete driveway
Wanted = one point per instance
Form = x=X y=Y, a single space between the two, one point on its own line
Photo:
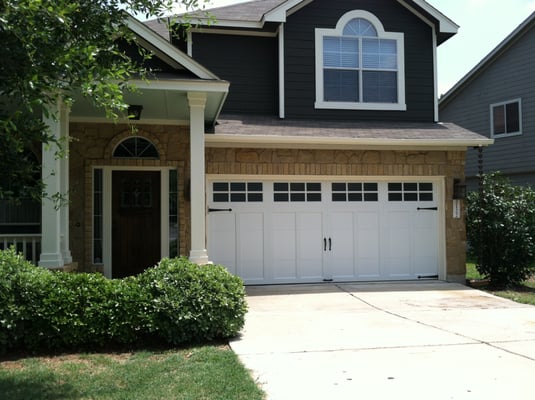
x=425 y=340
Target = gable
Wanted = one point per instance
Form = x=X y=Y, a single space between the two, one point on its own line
x=255 y=14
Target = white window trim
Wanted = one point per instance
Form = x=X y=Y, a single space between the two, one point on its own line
x=381 y=34
x=502 y=135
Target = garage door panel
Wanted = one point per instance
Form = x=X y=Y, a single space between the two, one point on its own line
x=341 y=244
x=250 y=246
x=368 y=245
x=282 y=235
x=309 y=245
x=222 y=239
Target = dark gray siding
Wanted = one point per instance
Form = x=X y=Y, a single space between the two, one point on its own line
x=249 y=63
x=509 y=77
x=300 y=83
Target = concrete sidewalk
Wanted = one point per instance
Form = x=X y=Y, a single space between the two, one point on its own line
x=425 y=340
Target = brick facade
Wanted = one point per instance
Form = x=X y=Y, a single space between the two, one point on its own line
x=447 y=164
x=93 y=146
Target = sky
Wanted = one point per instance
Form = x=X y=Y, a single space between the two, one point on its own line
x=483 y=25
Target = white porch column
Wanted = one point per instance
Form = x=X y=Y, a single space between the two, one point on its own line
x=64 y=184
x=198 y=253
x=51 y=255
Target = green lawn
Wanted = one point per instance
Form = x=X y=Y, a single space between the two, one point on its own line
x=524 y=293
x=208 y=373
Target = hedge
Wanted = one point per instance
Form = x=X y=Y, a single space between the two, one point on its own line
x=175 y=302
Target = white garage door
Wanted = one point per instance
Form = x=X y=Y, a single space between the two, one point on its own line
x=277 y=231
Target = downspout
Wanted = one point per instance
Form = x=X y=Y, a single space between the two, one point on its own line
x=435 y=71
x=282 y=106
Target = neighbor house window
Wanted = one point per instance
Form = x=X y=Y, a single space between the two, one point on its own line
x=359 y=65
x=506 y=118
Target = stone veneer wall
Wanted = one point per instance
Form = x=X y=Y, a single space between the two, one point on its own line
x=448 y=164
x=92 y=146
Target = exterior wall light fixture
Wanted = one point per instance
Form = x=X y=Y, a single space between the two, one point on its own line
x=134 y=112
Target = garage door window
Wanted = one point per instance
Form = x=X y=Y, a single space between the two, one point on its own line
x=296 y=192
x=353 y=191
x=410 y=191
x=237 y=192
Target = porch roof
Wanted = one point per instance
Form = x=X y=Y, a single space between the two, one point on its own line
x=267 y=131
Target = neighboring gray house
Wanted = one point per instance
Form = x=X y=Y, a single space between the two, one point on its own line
x=497 y=99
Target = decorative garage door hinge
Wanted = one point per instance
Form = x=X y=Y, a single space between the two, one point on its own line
x=427 y=208
x=219 y=209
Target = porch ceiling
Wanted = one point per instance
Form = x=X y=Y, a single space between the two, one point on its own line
x=164 y=102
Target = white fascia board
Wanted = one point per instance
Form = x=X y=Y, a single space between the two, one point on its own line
x=229 y=23
x=446 y=24
x=340 y=143
x=159 y=44
x=185 y=85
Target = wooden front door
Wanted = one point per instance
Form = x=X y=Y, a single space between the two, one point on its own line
x=136 y=220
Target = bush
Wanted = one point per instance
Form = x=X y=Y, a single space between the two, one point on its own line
x=177 y=302
x=188 y=302
x=500 y=230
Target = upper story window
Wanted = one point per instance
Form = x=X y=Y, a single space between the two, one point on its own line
x=506 y=118
x=359 y=66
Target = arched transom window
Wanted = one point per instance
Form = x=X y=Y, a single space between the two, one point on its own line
x=136 y=147
x=359 y=65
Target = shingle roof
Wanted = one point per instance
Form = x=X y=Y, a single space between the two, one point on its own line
x=248 y=11
x=252 y=127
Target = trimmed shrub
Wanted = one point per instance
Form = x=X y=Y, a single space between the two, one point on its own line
x=176 y=302
x=188 y=302
x=500 y=230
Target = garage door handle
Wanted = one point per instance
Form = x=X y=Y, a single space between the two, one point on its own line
x=330 y=244
x=324 y=244
x=427 y=208
x=219 y=209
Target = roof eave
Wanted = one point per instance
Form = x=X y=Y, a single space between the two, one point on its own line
x=257 y=141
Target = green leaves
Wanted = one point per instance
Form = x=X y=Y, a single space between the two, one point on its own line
x=54 y=48
x=175 y=302
x=501 y=230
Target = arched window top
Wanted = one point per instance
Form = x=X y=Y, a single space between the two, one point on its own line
x=360 y=27
x=136 y=147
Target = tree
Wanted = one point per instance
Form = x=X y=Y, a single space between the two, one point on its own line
x=501 y=230
x=51 y=48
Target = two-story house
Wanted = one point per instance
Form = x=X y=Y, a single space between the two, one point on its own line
x=296 y=141
x=497 y=99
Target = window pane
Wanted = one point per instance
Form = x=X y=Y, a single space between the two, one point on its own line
x=339 y=197
x=254 y=186
x=220 y=187
x=278 y=197
x=340 y=85
x=340 y=52
x=315 y=187
x=355 y=196
x=360 y=27
x=280 y=187
x=255 y=197
x=513 y=117
x=380 y=87
x=298 y=186
x=297 y=197
x=499 y=119
x=221 y=197
x=379 y=54
x=338 y=187
x=237 y=197
x=237 y=186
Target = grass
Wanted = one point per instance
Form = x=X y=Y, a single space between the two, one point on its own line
x=524 y=293
x=208 y=372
